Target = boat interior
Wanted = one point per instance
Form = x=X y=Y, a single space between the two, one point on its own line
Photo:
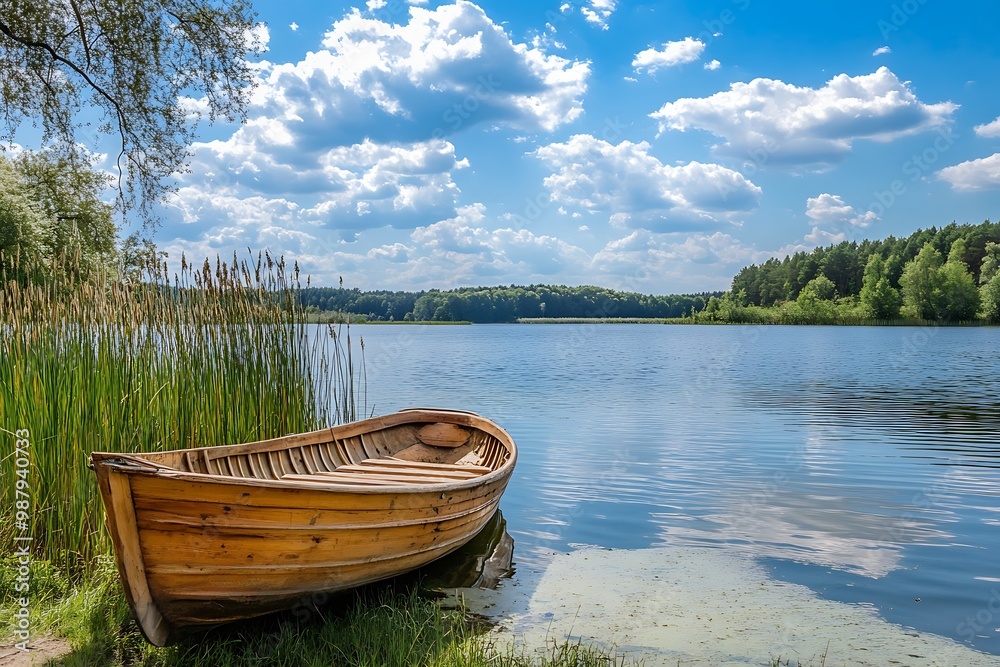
x=404 y=454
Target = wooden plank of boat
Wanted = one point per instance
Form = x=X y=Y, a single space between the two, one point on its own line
x=387 y=477
x=213 y=534
x=400 y=463
x=409 y=471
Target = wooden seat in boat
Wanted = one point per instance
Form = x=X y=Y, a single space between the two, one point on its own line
x=392 y=472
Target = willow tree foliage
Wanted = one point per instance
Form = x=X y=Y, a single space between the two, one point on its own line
x=125 y=63
x=49 y=208
x=24 y=227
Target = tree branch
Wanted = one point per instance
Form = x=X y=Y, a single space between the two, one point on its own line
x=83 y=32
x=123 y=128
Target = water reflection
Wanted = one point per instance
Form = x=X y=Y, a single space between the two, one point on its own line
x=481 y=563
x=846 y=457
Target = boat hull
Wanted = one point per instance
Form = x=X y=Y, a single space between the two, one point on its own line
x=197 y=549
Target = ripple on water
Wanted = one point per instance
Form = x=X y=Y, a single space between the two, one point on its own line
x=860 y=462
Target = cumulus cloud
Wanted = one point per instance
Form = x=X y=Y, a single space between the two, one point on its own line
x=974 y=175
x=355 y=132
x=697 y=262
x=636 y=190
x=881 y=51
x=989 y=130
x=686 y=50
x=598 y=11
x=713 y=65
x=347 y=188
x=821 y=237
x=772 y=122
x=831 y=211
x=464 y=249
x=447 y=68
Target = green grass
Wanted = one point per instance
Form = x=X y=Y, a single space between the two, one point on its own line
x=379 y=626
x=216 y=355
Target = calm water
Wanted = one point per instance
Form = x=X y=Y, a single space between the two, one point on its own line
x=863 y=463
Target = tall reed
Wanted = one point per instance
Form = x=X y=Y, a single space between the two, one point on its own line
x=218 y=354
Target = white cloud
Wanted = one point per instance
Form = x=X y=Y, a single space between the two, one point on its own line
x=354 y=132
x=881 y=51
x=464 y=250
x=772 y=122
x=974 y=175
x=374 y=5
x=644 y=260
x=713 y=65
x=260 y=35
x=686 y=50
x=598 y=11
x=821 y=237
x=989 y=130
x=831 y=211
x=346 y=188
x=636 y=190
x=447 y=68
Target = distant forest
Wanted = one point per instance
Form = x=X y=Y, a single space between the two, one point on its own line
x=844 y=264
x=951 y=274
x=947 y=274
x=501 y=304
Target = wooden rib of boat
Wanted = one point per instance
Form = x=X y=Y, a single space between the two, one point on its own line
x=216 y=534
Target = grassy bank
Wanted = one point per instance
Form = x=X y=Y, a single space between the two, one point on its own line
x=216 y=355
x=379 y=626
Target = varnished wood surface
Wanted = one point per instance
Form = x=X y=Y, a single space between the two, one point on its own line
x=210 y=535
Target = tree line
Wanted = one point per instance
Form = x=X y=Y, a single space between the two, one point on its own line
x=501 y=303
x=947 y=274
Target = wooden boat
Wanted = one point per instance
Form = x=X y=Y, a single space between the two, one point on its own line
x=216 y=534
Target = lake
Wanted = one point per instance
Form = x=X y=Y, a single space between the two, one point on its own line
x=863 y=463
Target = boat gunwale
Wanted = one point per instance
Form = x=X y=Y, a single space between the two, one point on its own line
x=319 y=485
x=137 y=464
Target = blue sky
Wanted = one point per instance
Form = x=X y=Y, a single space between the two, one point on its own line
x=656 y=147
